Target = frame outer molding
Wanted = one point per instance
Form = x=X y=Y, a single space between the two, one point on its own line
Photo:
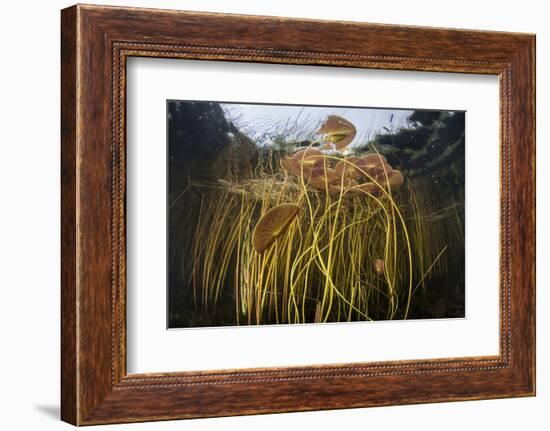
x=69 y=331
x=95 y=41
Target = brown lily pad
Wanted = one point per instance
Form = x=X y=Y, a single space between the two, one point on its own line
x=367 y=188
x=327 y=172
x=322 y=183
x=291 y=165
x=348 y=168
x=380 y=172
x=272 y=224
x=395 y=180
x=308 y=157
x=338 y=131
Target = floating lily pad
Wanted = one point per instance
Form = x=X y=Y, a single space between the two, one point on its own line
x=348 y=168
x=395 y=180
x=272 y=224
x=338 y=131
x=309 y=157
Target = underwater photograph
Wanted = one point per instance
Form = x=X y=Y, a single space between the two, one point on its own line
x=298 y=214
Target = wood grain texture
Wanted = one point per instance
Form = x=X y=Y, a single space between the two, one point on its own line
x=96 y=41
x=69 y=397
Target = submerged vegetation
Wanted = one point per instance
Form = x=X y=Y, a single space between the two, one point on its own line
x=313 y=234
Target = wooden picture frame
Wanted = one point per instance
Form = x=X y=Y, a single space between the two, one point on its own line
x=96 y=41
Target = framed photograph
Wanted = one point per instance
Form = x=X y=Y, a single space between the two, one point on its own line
x=264 y=215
